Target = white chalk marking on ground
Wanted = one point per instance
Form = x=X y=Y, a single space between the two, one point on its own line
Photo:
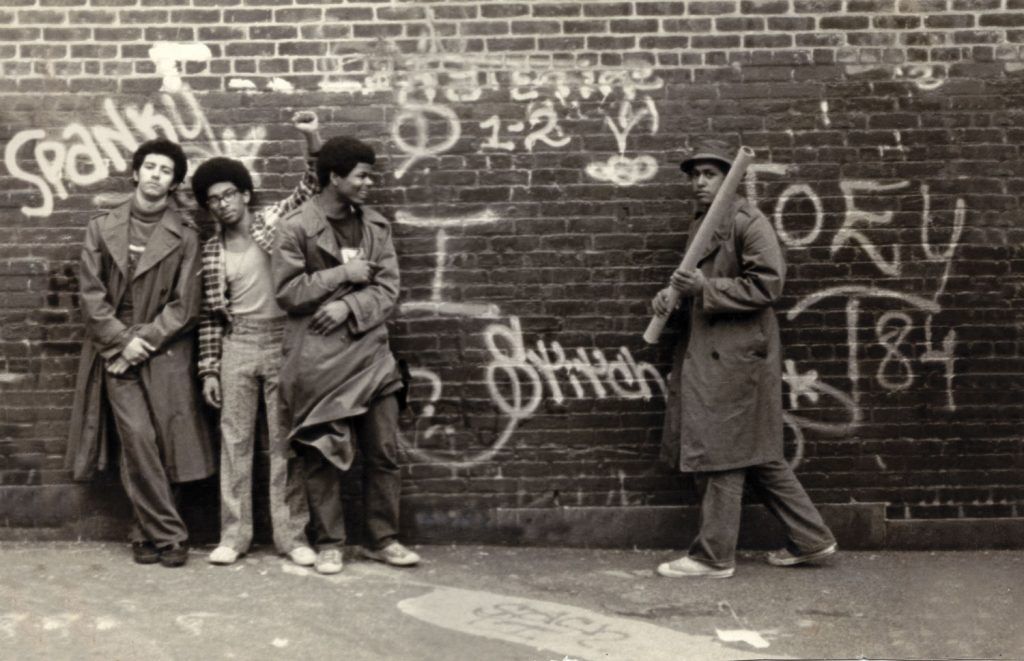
x=569 y=630
x=59 y=622
x=105 y=623
x=280 y=642
x=193 y=622
x=10 y=621
x=747 y=636
x=618 y=573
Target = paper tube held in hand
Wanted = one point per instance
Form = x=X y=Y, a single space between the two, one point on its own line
x=720 y=206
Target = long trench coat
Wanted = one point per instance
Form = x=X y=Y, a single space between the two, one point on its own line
x=166 y=294
x=329 y=378
x=724 y=403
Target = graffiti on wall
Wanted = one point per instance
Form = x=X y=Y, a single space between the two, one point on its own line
x=85 y=155
x=428 y=82
x=906 y=334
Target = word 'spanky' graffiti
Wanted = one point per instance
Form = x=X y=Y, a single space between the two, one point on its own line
x=896 y=370
x=517 y=379
x=86 y=155
x=426 y=82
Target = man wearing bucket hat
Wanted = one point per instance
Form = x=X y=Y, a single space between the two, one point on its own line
x=723 y=421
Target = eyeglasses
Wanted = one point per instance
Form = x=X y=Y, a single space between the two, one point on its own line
x=223 y=198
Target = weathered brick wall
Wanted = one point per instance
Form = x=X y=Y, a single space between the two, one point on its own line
x=529 y=155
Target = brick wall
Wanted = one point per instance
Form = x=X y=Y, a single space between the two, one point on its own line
x=529 y=155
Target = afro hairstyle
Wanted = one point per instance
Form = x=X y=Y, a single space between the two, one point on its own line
x=164 y=147
x=341 y=155
x=218 y=170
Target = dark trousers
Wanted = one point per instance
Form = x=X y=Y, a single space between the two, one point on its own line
x=721 y=496
x=376 y=434
x=143 y=474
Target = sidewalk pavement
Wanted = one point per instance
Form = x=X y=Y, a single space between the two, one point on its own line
x=90 y=601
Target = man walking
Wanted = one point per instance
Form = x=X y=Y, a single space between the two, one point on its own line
x=724 y=418
x=240 y=332
x=336 y=275
x=140 y=294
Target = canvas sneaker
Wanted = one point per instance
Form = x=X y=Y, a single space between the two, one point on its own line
x=393 y=554
x=302 y=556
x=687 y=567
x=222 y=555
x=784 y=558
x=329 y=561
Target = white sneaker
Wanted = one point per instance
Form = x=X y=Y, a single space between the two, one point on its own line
x=783 y=558
x=329 y=561
x=687 y=567
x=302 y=556
x=223 y=555
x=393 y=554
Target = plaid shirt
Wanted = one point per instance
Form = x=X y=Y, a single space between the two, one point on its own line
x=215 y=313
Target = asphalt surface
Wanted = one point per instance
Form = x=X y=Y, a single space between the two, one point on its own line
x=90 y=601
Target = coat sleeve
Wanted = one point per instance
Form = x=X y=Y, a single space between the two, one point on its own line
x=299 y=292
x=762 y=271
x=373 y=304
x=107 y=332
x=264 y=223
x=181 y=312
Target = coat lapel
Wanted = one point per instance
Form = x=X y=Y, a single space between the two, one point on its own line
x=325 y=239
x=166 y=238
x=722 y=233
x=114 y=231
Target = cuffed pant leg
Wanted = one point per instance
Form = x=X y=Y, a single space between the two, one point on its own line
x=376 y=431
x=289 y=510
x=240 y=401
x=784 y=496
x=721 y=500
x=143 y=473
x=323 y=491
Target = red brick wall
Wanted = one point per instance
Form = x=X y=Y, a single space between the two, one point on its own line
x=529 y=156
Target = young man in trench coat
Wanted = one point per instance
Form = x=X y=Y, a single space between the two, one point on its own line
x=724 y=418
x=139 y=291
x=336 y=275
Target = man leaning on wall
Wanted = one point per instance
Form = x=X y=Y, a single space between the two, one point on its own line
x=240 y=332
x=723 y=421
x=139 y=291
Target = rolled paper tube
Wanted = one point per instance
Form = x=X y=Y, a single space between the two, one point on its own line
x=715 y=216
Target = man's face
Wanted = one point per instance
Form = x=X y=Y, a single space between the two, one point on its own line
x=355 y=187
x=706 y=178
x=155 y=176
x=226 y=203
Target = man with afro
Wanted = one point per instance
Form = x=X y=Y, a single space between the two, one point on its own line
x=140 y=296
x=336 y=274
x=240 y=330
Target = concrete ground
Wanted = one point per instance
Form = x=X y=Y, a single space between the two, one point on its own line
x=89 y=601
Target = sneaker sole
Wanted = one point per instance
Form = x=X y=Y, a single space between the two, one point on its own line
x=799 y=560
x=370 y=555
x=718 y=573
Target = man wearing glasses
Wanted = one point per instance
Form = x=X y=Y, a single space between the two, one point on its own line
x=240 y=330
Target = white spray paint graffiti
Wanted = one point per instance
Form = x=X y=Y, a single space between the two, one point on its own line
x=896 y=371
x=167 y=56
x=926 y=77
x=425 y=82
x=517 y=379
x=86 y=155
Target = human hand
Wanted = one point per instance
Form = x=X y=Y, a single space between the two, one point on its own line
x=661 y=304
x=211 y=391
x=306 y=121
x=360 y=271
x=687 y=283
x=118 y=366
x=329 y=317
x=137 y=350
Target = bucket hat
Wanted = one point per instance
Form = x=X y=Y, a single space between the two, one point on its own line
x=709 y=150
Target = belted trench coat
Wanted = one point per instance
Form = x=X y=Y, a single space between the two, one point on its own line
x=329 y=378
x=165 y=290
x=724 y=401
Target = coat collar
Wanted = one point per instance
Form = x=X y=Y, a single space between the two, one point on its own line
x=166 y=237
x=723 y=232
x=316 y=224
